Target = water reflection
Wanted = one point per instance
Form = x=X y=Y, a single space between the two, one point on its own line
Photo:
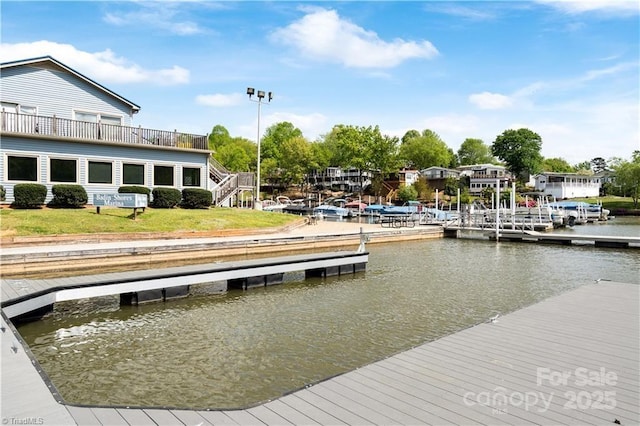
x=238 y=348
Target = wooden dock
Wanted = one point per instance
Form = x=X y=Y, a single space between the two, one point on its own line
x=572 y=359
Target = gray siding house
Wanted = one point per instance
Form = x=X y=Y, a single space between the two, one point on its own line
x=59 y=126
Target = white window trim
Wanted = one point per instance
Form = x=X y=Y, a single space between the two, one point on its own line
x=145 y=175
x=60 y=157
x=100 y=160
x=175 y=174
x=5 y=176
x=98 y=114
x=202 y=176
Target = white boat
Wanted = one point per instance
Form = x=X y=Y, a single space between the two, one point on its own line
x=329 y=211
x=276 y=206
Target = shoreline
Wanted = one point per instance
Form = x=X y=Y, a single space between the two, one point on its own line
x=68 y=255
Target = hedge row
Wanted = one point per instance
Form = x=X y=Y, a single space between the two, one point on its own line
x=32 y=195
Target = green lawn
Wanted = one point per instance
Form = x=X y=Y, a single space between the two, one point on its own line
x=610 y=202
x=14 y=222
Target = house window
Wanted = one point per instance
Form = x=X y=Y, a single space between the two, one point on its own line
x=133 y=174
x=190 y=176
x=22 y=168
x=63 y=170
x=100 y=172
x=94 y=117
x=163 y=175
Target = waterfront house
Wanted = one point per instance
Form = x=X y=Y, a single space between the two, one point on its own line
x=337 y=178
x=59 y=126
x=483 y=176
x=567 y=185
x=436 y=177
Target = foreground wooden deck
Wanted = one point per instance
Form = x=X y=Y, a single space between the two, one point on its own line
x=572 y=359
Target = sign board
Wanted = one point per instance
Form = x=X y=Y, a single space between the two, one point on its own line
x=132 y=201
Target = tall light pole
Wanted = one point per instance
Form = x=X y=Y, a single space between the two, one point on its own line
x=251 y=91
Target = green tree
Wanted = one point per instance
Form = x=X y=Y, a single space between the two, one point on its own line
x=235 y=157
x=520 y=150
x=218 y=137
x=556 y=165
x=425 y=150
x=295 y=160
x=474 y=151
x=583 y=168
x=275 y=136
x=628 y=178
x=407 y=193
x=363 y=148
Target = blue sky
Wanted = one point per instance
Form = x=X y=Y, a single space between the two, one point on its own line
x=569 y=71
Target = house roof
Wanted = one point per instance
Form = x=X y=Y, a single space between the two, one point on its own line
x=59 y=65
x=563 y=174
x=482 y=166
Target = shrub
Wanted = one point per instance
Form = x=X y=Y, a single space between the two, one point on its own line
x=407 y=193
x=196 y=198
x=3 y=193
x=29 y=195
x=166 y=198
x=135 y=190
x=68 y=196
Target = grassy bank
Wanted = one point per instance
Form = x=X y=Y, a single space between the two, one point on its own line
x=46 y=221
x=617 y=205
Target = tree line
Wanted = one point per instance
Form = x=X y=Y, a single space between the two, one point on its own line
x=287 y=157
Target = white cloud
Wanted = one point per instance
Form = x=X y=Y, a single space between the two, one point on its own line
x=323 y=35
x=162 y=15
x=103 y=66
x=220 y=100
x=609 y=7
x=488 y=100
x=463 y=11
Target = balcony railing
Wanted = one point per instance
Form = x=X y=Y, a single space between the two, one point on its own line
x=37 y=125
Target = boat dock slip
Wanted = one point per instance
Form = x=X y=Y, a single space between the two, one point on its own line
x=571 y=359
x=545 y=237
x=22 y=296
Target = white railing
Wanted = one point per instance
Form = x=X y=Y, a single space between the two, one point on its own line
x=37 y=125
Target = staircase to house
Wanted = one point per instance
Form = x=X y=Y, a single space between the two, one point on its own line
x=391 y=192
x=227 y=185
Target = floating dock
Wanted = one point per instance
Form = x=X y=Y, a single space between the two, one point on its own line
x=571 y=359
x=544 y=237
x=23 y=296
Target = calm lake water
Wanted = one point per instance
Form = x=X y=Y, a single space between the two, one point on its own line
x=239 y=348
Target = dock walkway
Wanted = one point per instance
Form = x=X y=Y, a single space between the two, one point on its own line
x=571 y=359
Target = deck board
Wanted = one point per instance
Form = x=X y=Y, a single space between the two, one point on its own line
x=291 y=415
x=190 y=418
x=243 y=417
x=83 y=416
x=268 y=416
x=135 y=417
x=218 y=418
x=109 y=416
x=310 y=410
x=162 y=417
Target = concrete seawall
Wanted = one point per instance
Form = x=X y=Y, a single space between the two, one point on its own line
x=46 y=256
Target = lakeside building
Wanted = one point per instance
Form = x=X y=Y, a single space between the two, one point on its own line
x=336 y=178
x=437 y=176
x=61 y=127
x=483 y=176
x=567 y=185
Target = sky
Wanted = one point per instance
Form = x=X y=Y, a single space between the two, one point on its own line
x=567 y=70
